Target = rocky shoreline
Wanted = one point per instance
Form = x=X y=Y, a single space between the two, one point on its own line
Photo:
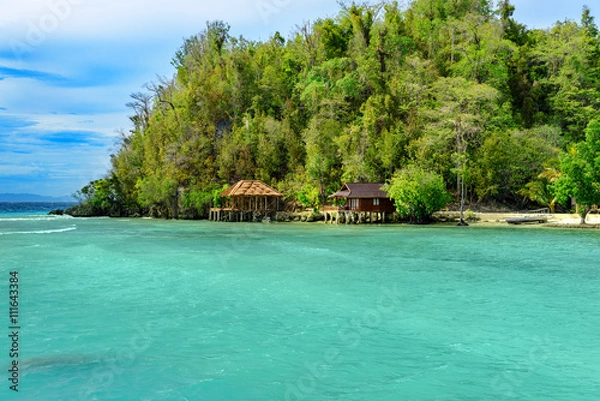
x=487 y=219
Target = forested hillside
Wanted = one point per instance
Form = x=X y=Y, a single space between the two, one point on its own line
x=458 y=88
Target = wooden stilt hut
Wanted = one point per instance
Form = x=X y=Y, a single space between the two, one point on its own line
x=248 y=200
x=362 y=200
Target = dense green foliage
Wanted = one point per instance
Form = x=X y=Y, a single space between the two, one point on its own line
x=580 y=168
x=418 y=193
x=458 y=88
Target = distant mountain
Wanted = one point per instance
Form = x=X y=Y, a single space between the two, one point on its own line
x=34 y=198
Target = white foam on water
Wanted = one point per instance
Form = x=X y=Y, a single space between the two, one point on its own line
x=59 y=230
x=36 y=218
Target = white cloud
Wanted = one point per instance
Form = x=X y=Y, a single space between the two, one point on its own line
x=33 y=22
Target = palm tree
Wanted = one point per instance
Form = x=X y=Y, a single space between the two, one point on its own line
x=540 y=191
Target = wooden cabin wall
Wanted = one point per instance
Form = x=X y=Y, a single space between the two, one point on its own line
x=367 y=205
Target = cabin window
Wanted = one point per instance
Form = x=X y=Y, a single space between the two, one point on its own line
x=354 y=203
x=376 y=202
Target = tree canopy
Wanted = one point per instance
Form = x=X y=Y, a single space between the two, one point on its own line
x=418 y=193
x=580 y=168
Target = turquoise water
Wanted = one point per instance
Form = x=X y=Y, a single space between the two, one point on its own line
x=174 y=310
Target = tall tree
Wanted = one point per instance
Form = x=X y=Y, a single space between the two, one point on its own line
x=322 y=161
x=580 y=167
x=463 y=107
x=570 y=76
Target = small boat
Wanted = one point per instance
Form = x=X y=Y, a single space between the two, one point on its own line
x=526 y=219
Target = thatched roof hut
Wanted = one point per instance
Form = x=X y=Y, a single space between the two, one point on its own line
x=251 y=188
x=250 y=195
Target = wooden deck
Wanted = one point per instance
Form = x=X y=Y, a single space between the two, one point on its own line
x=240 y=215
x=337 y=215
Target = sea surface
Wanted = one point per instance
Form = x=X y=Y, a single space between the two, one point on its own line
x=140 y=309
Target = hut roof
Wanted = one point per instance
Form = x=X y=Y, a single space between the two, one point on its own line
x=250 y=188
x=361 y=190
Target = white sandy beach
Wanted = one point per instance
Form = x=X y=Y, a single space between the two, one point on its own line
x=558 y=219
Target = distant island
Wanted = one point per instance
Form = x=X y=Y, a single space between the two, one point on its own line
x=13 y=198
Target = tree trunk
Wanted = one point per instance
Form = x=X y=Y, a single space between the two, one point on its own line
x=460 y=178
x=462 y=221
x=584 y=212
x=322 y=194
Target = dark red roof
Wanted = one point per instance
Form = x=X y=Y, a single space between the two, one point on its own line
x=361 y=190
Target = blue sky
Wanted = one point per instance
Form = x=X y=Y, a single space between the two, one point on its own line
x=67 y=68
